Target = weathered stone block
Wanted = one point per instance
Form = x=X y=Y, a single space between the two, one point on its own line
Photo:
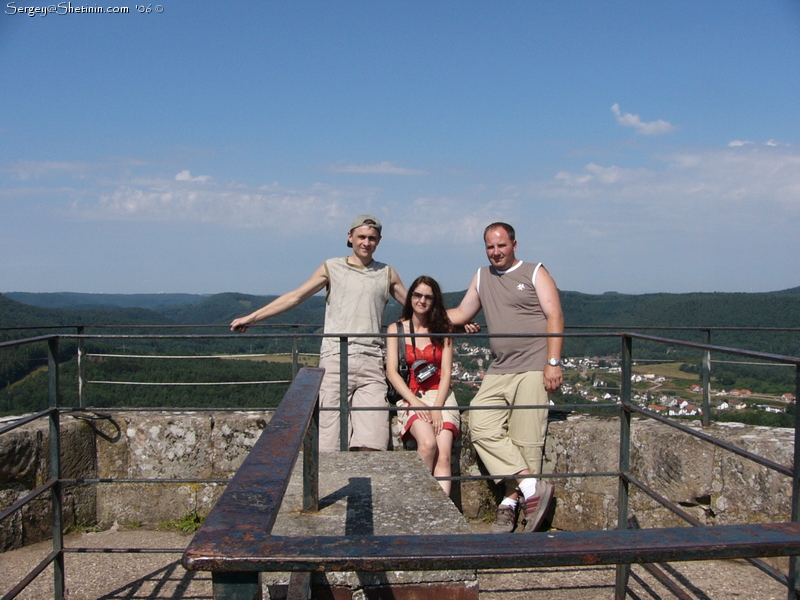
x=743 y=491
x=169 y=445
x=233 y=435
x=19 y=457
x=25 y=465
x=112 y=447
x=11 y=526
x=151 y=504
x=713 y=485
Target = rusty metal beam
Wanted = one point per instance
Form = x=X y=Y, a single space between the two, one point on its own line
x=253 y=496
x=255 y=550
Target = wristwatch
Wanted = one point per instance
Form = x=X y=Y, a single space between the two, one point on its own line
x=554 y=362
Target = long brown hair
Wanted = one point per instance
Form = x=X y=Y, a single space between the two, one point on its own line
x=438 y=321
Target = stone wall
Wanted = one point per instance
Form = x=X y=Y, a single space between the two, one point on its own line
x=713 y=485
x=25 y=465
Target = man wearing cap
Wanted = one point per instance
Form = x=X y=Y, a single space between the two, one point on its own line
x=358 y=289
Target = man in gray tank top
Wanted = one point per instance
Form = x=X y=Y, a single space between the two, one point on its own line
x=516 y=297
x=357 y=290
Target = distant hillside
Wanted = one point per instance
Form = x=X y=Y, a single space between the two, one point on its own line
x=75 y=300
x=17 y=314
x=773 y=309
x=223 y=308
x=795 y=291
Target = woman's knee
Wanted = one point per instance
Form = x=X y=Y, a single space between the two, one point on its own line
x=426 y=446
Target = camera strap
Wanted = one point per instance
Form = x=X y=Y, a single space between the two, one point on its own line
x=401 y=352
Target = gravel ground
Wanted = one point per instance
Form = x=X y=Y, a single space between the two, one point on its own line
x=111 y=576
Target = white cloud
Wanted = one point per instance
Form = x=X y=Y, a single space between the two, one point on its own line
x=645 y=128
x=232 y=204
x=382 y=168
x=49 y=169
x=187 y=176
x=27 y=170
x=738 y=143
x=740 y=185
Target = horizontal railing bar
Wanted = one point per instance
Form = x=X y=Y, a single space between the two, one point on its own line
x=679 y=328
x=37 y=570
x=671 y=506
x=88 y=480
x=759 y=564
x=263 y=552
x=670 y=341
x=186 y=383
x=47 y=485
x=304 y=325
x=163 y=326
x=764 y=462
x=24 y=341
x=144 y=480
x=20 y=421
x=533 y=475
x=198 y=356
x=167 y=409
x=76 y=550
x=312 y=335
x=735 y=351
x=466 y=408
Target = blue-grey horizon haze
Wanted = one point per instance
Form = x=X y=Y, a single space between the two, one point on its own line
x=205 y=147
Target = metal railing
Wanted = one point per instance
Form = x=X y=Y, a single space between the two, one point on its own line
x=53 y=486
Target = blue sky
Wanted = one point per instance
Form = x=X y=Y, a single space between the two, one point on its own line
x=636 y=146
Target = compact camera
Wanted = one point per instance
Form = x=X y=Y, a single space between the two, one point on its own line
x=423 y=370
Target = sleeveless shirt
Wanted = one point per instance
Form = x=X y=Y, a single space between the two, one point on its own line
x=355 y=300
x=511 y=305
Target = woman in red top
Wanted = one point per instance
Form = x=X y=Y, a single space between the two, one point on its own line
x=430 y=362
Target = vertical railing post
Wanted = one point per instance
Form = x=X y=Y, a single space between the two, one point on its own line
x=344 y=412
x=794 y=576
x=81 y=368
x=55 y=468
x=295 y=357
x=311 y=462
x=706 y=373
x=623 y=570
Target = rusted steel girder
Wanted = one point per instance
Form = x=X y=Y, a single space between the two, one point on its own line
x=254 y=495
x=238 y=550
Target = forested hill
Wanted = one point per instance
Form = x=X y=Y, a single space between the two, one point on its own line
x=771 y=309
x=779 y=309
x=17 y=314
x=223 y=308
x=775 y=309
x=83 y=301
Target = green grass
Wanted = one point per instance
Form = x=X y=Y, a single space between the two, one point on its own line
x=188 y=523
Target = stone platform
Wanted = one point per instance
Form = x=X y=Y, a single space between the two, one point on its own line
x=374 y=493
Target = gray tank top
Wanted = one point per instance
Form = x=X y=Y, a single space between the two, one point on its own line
x=356 y=298
x=511 y=305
